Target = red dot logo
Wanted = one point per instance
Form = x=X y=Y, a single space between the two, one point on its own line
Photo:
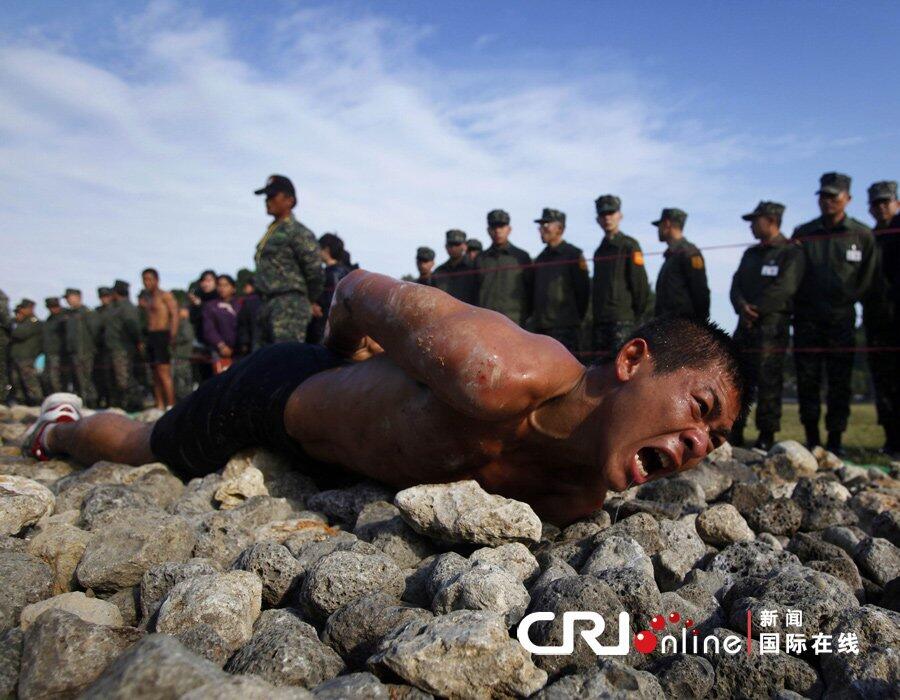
x=688 y=622
x=657 y=622
x=674 y=617
x=645 y=641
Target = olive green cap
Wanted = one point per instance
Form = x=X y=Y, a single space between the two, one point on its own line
x=424 y=253
x=497 y=217
x=104 y=291
x=886 y=189
x=474 y=244
x=833 y=183
x=455 y=236
x=550 y=215
x=72 y=290
x=52 y=302
x=607 y=204
x=121 y=287
x=26 y=302
x=673 y=214
x=773 y=209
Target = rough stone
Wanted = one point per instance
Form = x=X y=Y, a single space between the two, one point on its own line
x=239 y=482
x=103 y=498
x=610 y=679
x=23 y=502
x=93 y=610
x=284 y=650
x=680 y=551
x=821 y=508
x=514 y=557
x=282 y=477
x=748 y=497
x=309 y=553
x=158 y=580
x=345 y=505
x=801 y=459
x=684 y=492
x=276 y=567
x=228 y=602
x=24 y=579
x=887 y=526
x=618 y=552
x=877 y=559
x=226 y=533
x=354 y=686
x=465 y=653
x=781 y=516
x=484 y=587
x=249 y=687
x=342 y=577
x=743 y=559
x=62 y=547
x=380 y=524
x=197 y=498
x=10 y=661
x=722 y=524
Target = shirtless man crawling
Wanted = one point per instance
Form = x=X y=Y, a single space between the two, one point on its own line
x=162 y=329
x=416 y=387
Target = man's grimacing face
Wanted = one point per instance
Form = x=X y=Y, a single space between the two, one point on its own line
x=660 y=424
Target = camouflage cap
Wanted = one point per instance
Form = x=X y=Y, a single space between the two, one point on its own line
x=673 y=214
x=455 y=236
x=424 y=253
x=104 y=291
x=498 y=217
x=774 y=209
x=121 y=287
x=607 y=204
x=833 y=183
x=886 y=189
x=26 y=302
x=549 y=215
x=275 y=184
x=72 y=290
x=474 y=244
x=52 y=302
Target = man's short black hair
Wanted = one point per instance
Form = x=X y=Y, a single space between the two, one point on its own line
x=678 y=342
x=227 y=278
x=150 y=271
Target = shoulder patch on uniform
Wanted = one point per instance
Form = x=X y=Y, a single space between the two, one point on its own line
x=582 y=263
x=697 y=262
x=637 y=257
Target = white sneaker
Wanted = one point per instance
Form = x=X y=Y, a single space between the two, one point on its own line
x=56 y=408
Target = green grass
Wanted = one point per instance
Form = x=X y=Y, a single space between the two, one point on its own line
x=862 y=440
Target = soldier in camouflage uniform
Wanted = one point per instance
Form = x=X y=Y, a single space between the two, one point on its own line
x=840 y=262
x=122 y=335
x=681 y=286
x=620 y=288
x=182 y=372
x=562 y=285
x=6 y=325
x=56 y=367
x=762 y=294
x=25 y=344
x=473 y=249
x=80 y=331
x=881 y=315
x=288 y=268
x=424 y=265
x=102 y=364
x=457 y=276
x=505 y=272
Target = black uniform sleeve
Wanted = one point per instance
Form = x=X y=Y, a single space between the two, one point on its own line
x=636 y=276
x=581 y=282
x=736 y=295
x=528 y=280
x=695 y=273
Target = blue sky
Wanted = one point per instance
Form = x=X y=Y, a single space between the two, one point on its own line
x=132 y=134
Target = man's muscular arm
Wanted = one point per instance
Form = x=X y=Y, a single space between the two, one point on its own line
x=476 y=360
x=172 y=308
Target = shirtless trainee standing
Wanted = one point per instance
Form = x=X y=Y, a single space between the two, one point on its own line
x=417 y=387
x=162 y=325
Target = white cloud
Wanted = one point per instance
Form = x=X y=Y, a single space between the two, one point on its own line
x=150 y=156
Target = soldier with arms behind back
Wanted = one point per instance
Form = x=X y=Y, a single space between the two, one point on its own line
x=681 y=287
x=506 y=277
x=80 y=346
x=25 y=344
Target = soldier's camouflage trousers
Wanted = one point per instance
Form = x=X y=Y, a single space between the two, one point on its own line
x=103 y=379
x=83 y=379
x=567 y=336
x=838 y=367
x=53 y=374
x=182 y=377
x=25 y=384
x=283 y=318
x=607 y=337
x=763 y=346
x=885 y=369
x=4 y=368
x=125 y=391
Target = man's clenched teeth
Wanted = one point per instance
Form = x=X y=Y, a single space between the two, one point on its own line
x=648 y=461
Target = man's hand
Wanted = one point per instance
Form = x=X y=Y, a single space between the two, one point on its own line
x=224 y=350
x=749 y=315
x=317 y=311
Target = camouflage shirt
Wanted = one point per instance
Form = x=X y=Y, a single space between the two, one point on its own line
x=80 y=332
x=55 y=334
x=26 y=342
x=287 y=260
x=122 y=326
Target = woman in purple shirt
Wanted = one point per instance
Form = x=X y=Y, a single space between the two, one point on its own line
x=220 y=318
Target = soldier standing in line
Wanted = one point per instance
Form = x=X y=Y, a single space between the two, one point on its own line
x=122 y=337
x=79 y=346
x=562 y=285
x=25 y=344
x=6 y=324
x=681 y=287
x=288 y=269
x=505 y=273
x=457 y=276
x=424 y=264
x=841 y=259
x=183 y=349
x=56 y=367
x=473 y=249
x=880 y=313
x=102 y=363
x=762 y=294
x=620 y=288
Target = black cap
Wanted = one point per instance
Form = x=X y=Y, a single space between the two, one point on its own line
x=72 y=290
x=607 y=204
x=773 y=209
x=277 y=183
x=26 y=302
x=549 y=215
x=103 y=291
x=52 y=302
x=676 y=216
x=833 y=183
x=497 y=217
x=424 y=254
x=454 y=236
x=474 y=244
x=886 y=189
x=121 y=288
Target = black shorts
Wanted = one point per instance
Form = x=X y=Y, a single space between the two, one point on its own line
x=157 y=348
x=242 y=407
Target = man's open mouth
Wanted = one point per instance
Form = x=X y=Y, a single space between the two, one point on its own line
x=650 y=462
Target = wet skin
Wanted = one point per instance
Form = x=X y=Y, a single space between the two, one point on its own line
x=439 y=391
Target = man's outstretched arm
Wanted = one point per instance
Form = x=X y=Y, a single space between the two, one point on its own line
x=476 y=360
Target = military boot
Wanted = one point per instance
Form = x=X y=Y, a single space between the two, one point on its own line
x=834 y=443
x=765 y=440
x=812 y=436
